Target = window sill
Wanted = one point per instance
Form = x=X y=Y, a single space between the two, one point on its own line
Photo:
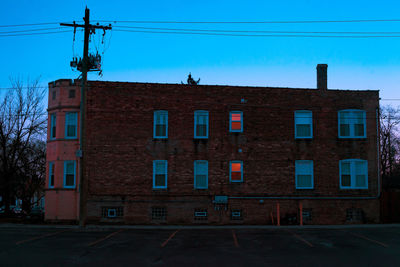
x=350 y=138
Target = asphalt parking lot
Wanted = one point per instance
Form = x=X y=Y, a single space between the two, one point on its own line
x=22 y=245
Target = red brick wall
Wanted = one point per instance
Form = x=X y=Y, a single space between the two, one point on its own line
x=121 y=149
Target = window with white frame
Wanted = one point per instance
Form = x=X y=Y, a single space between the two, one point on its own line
x=160 y=124
x=303 y=124
x=160 y=173
x=201 y=124
x=353 y=174
x=53 y=120
x=352 y=123
x=236 y=171
x=69 y=174
x=200 y=174
x=71 y=125
x=51 y=174
x=236 y=121
x=304 y=174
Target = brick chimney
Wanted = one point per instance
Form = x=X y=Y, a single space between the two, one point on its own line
x=322 y=76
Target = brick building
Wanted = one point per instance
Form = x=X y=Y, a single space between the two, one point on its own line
x=181 y=154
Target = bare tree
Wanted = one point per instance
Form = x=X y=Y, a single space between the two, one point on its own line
x=389 y=140
x=22 y=123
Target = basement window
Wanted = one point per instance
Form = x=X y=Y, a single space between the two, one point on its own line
x=352 y=123
x=307 y=215
x=112 y=212
x=159 y=213
x=236 y=121
x=160 y=124
x=201 y=124
x=303 y=124
x=236 y=214
x=200 y=214
x=354 y=215
x=304 y=174
x=160 y=174
x=353 y=174
x=236 y=171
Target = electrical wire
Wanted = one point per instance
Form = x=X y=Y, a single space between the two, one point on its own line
x=252 y=22
x=30 y=24
x=263 y=35
x=30 y=30
x=250 y=31
x=37 y=33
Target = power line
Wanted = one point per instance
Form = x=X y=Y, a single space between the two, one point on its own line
x=252 y=22
x=30 y=24
x=37 y=33
x=265 y=35
x=31 y=30
x=251 y=31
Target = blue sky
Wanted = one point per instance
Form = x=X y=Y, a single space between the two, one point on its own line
x=367 y=63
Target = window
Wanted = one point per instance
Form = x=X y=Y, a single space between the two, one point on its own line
x=160 y=174
x=236 y=171
x=51 y=174
x=71 y=94
x=354 y=215
x=53 y=126
x=53 y=94
x=236 y=121
x=200 y=214
x=160 y=124
x=304 y=174
x=201 y=124
x=352 y=123
x=71 y=125
x=236 y=215
x=353 y=174
x=200 y=174
x=69 y=174
x=303 y=124
x=159 y=213
x=112 y=212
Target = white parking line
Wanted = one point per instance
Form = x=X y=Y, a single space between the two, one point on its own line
x=105 y=238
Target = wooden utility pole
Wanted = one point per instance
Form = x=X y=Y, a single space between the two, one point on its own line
x=83 y=183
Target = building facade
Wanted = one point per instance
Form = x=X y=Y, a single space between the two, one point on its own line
x=181 y=154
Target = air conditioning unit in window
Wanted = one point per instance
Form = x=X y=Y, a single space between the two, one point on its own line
x=111 y=213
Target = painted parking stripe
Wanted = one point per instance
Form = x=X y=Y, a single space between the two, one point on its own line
x=300 y=238
x=40 y=237
x=169 y=238
x=369 y=239
x=105 y=238
x=235 y=239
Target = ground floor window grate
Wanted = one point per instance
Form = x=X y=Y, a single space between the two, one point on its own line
x=354 y=215
x=159 y=213
x=307 y=215
x=236 y=214
x=200 y=214
x=112 y=212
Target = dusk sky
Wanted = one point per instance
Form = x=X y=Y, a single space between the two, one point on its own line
x=353 y=63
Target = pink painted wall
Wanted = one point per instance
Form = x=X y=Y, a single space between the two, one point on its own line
x=62 y=203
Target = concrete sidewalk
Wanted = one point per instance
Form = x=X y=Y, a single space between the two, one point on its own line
x=91 y=226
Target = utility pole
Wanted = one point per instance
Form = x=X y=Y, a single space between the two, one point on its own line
x=86 y=66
